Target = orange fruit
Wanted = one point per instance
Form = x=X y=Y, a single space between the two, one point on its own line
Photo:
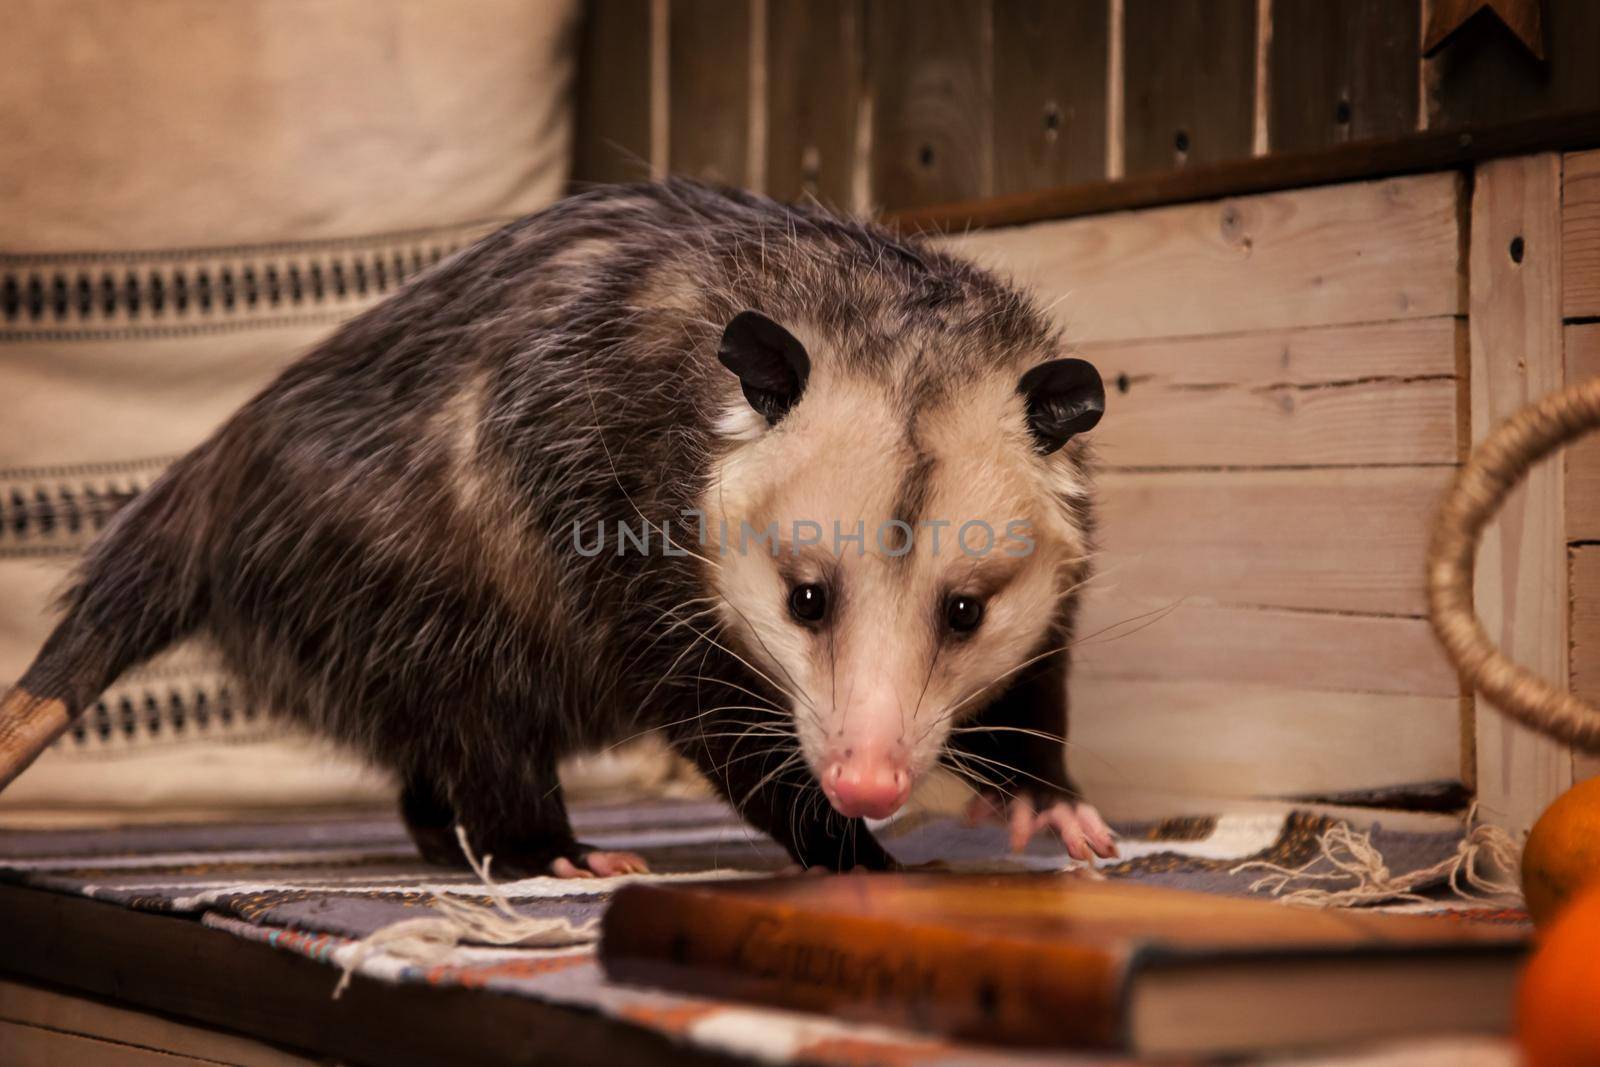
x=1563 y=850
x=1557 y=1024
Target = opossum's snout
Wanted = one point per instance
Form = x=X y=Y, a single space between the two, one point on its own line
x=864 y=765
x=867 y=779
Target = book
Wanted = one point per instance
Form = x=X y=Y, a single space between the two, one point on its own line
x=1064 y=960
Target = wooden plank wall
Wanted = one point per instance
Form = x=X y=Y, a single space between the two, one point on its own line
x=898 y=104
x=1280 y=424
x=1520 y=585
x=1580 y=310
x=1296 y=396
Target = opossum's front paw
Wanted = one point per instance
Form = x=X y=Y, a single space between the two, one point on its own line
x=597 y=864
x=1078 y=825
x=571 y=860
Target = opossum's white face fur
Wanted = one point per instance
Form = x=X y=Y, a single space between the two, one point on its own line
x=964 y=503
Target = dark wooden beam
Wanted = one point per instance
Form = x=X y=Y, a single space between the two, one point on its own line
x=1434 y=150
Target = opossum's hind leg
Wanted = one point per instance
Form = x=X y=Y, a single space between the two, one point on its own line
x=526 y=840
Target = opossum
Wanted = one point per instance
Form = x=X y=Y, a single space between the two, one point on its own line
x=662 y=457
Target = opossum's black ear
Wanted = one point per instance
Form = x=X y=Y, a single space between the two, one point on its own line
x=1065 y=397
x=772 y=366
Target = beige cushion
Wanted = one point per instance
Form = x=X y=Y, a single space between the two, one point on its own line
x=180 y=123
x=195 y=193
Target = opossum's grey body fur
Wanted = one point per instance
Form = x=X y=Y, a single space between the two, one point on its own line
x=380 y=543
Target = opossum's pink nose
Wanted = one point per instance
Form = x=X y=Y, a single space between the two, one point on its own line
x=866 y=782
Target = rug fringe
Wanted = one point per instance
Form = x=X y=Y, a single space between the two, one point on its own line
x=1352 y=855
x=427 y=941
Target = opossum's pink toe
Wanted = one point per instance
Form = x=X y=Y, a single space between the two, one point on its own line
x=980 y=809
x=611 y=864
x=1100 y=836
x=1024 y=823
x=1081 y=829
x=562 y=867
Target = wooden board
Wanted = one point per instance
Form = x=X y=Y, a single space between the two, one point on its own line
x=1520 y=585
x=1584 y=572
x=1418 y=153
x=1580 y=235
x=1347 y=540
x=1375 y=394
x=928 y=66
x=1367 y=252
x=1154 y=640
x=1231 y=739
x=1581 y=459
x=77 y=1029
x=1341 y=70
x=1583 y=629
x=814 y=71
x=1188 y=82
x=709 y=75
x=1485 y=75
x=1049 y=92
x=612 y=131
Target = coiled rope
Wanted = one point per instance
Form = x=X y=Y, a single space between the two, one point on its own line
x=1489 y=475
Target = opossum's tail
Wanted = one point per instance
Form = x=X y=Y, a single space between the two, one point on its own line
x=138 y=590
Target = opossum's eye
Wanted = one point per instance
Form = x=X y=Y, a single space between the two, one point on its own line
x=808 y=603
x=963 y=613
x=1065 y=397
x=772 y=366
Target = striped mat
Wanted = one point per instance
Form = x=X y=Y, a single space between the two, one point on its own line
x=317 y=887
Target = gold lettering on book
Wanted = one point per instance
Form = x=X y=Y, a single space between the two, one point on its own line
x=769 y=951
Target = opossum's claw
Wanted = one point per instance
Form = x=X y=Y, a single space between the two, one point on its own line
x=1079 y=826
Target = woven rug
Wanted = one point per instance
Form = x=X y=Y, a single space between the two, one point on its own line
x=318 y=887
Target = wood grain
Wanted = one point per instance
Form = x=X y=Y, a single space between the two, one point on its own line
x=1520 y=585
x=1421 y=152
x=1581 y=459
x=69 y=1015
x=709 y=74
x=25 y=1045
x=1049 y=92
x=928 y=66
x=1150 y=639
x=1232 y=739
x=1580 y=235
x=1341 y=70
x=1188 y=82
x=612 y=130
x=1348 y=540
x=814 y=64
x=1584 y=664
x=1581 y=474
x=1375 y=394
x=1365 y=252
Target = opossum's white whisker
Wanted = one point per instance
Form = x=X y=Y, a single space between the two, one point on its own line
x=1002 y=765
x=1042 y=734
